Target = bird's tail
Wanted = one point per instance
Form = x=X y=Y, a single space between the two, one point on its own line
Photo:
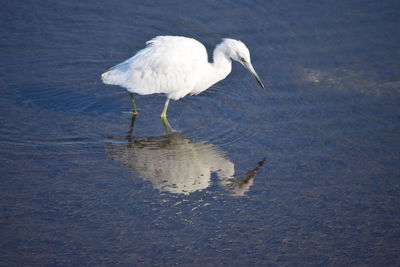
x=104 y=77
x=117 y=75
x=112 y=77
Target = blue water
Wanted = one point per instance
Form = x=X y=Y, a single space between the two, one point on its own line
x=304 y=173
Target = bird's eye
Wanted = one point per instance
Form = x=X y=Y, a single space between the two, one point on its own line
x=242 y=59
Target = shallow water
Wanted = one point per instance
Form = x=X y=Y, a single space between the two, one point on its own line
x=305 y=173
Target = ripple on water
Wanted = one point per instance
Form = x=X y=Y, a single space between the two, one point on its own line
x=31 y=130
x=217 y=116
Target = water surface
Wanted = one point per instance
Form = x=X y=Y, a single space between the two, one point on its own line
x=305 y=173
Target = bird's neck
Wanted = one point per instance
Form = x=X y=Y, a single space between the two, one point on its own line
x=222 y=64
x=217 y=70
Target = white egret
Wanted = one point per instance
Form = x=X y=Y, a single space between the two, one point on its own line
x=177 y=66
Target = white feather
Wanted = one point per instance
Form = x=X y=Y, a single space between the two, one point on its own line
x=175 y=66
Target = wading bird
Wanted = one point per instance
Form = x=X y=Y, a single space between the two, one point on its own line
x=177 y=66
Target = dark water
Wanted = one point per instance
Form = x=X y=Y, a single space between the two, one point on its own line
x=306 y=173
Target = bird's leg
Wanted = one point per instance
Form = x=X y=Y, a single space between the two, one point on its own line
x=164 y=113
x=167 y=126
x=131 y=128
x=135 y=111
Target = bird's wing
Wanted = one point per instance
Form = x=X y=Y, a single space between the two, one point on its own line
x=168 y=65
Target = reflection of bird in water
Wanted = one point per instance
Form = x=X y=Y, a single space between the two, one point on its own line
x=237 y=186
x=177 y=164
x=177 y=66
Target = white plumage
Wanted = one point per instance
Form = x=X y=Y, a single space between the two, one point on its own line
x=177 y=66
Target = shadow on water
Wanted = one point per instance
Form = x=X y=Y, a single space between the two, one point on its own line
x=178 y=164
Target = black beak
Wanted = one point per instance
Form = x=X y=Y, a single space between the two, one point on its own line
x=250 y=68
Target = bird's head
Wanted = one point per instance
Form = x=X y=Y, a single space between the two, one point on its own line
x=238 y=51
